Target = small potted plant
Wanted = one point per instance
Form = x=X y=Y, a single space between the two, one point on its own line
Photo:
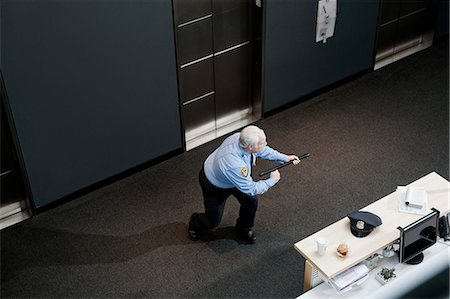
x=385 y=275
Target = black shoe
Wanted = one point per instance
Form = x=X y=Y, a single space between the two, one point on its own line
x=247 y=234
x=192 y=231
x=193 y=234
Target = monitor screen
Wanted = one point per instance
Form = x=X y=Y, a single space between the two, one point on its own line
x=418 y=236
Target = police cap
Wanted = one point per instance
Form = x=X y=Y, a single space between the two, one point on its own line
x=362 y=223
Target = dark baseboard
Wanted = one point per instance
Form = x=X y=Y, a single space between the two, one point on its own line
x=317 y=92
x=107 y=181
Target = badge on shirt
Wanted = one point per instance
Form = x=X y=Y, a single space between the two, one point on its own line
x=244 y=171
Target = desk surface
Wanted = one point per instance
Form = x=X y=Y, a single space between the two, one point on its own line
x=386 y=208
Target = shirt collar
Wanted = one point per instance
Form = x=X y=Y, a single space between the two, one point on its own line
x=244 y=153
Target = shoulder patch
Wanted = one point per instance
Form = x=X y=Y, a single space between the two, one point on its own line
x=244 y=171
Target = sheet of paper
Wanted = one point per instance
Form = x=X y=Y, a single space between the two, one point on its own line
x=350 y=276
x=412 y=200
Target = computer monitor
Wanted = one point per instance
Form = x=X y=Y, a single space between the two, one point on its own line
x=418 y=236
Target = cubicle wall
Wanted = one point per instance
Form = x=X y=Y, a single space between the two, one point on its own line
x=92 y=88
x=295 y=65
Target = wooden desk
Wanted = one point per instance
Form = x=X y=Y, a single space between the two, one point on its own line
x=386 y=208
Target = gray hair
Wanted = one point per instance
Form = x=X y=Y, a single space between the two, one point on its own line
x=250 y=135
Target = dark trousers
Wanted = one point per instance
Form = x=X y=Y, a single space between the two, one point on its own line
x=214 y=199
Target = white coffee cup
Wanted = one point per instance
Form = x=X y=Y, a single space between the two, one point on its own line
x=321 y=245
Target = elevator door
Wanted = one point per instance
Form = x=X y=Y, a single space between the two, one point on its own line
x=405 y=27
x=14 y=202
x=215 y=67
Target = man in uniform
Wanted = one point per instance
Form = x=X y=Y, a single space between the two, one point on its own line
x=227 y=171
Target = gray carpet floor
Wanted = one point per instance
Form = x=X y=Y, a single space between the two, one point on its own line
x=128 y=239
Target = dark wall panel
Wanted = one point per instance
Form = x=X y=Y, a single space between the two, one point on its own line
x=442 y=20
x=92 y=88
x=295 y=65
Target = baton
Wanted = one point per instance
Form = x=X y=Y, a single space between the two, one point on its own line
x=304 y=156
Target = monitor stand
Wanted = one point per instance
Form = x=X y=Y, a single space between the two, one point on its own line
x=416 y=260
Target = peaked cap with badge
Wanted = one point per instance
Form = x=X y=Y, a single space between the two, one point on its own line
x=363 y=223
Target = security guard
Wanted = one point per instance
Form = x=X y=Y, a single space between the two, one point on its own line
x=227 y=171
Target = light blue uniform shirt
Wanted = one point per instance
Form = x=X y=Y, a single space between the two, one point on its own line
x=229 y=167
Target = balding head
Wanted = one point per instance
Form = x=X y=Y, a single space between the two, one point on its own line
x=252 y=138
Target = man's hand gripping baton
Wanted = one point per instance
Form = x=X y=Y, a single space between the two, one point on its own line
x=265 y=172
